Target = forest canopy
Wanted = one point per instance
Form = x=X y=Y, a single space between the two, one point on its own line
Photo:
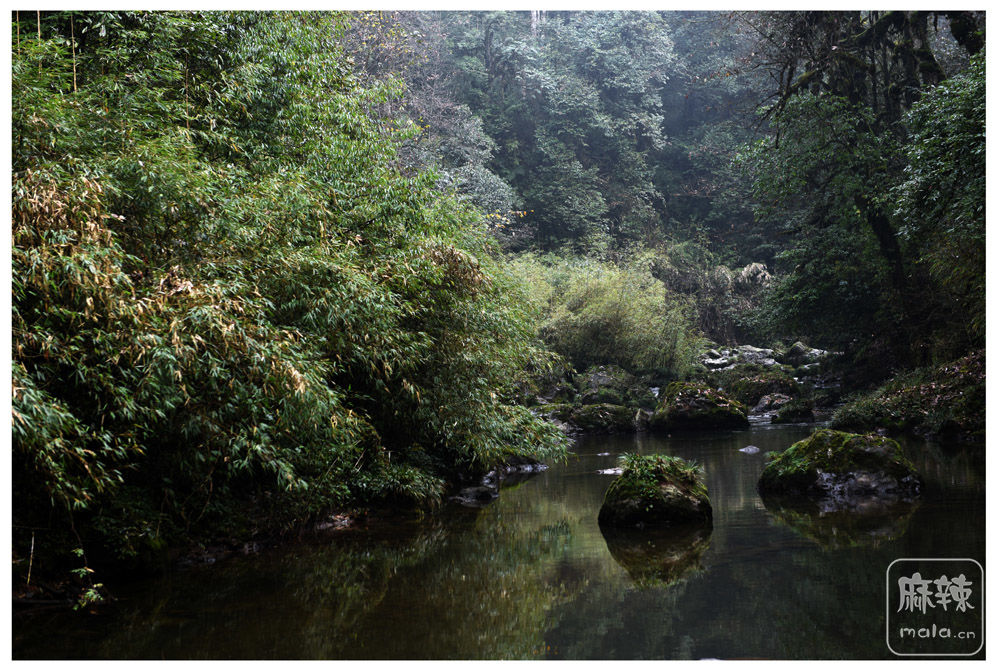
x=269 y=265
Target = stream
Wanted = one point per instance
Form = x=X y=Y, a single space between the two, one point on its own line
x=532 y=576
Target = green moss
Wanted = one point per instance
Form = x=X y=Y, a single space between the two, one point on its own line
x=656 y=489
x=603 y=418
x=694 y=406
x=557 y=411
x=797 y=410
x=640 y=396
x=603 y=395
x=833 y=452
x=748 y=389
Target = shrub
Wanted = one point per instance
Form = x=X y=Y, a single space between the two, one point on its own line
x=944 y=401
x=595 y=312
x=229 y=297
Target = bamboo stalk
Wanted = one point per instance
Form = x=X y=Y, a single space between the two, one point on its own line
x=72 y=44
x=31 y=559
x=187 y=108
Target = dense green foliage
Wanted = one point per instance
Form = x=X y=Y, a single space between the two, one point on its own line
x=270 y=264
x=876 y=166
x=946 y=401
x=596 y=312
x=229 y=291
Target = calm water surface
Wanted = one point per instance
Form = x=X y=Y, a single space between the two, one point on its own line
x=532 y=576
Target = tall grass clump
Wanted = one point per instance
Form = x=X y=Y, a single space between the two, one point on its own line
x=598 y=312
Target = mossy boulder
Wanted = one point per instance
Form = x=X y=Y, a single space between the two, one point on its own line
x=843 y=470
x=696 y=406
x=561 y=392
x=798 y=410
x=771 y=402
x=561 y=412
x=603 y=419
x=604 y=377
x=656 y=491
x=799 y=354
x=602 y=395
x=640 y=396
x=749 y=384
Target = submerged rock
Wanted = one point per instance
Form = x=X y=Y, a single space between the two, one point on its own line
x=695 y=406
x=658 y=558
x=841 y=471
x=657 y=491
x=750 y=450
x=476 y=496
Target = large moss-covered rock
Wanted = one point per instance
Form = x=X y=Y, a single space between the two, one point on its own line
x=602 y=395
x=799 y=410
x=604 y=377
x=841 y=469
x=749 y=385
x=658 y=491
x=603 y=419
x=696 y=406
x=554 y=411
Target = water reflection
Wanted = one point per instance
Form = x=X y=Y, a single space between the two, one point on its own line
x=654 y=558
x=532 y=576
x=868 y=524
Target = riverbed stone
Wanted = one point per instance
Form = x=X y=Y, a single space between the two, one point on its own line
x=798 y=410
x=799 y=354
x=748 y=385
x=603 y=419
x=770 y=402
x=841 y=470
x=754 y=355
x=656 y=491
x=696 y=406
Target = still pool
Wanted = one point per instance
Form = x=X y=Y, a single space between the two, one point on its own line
x=531 y=576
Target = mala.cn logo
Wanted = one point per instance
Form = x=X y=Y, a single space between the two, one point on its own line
x=934 y=607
